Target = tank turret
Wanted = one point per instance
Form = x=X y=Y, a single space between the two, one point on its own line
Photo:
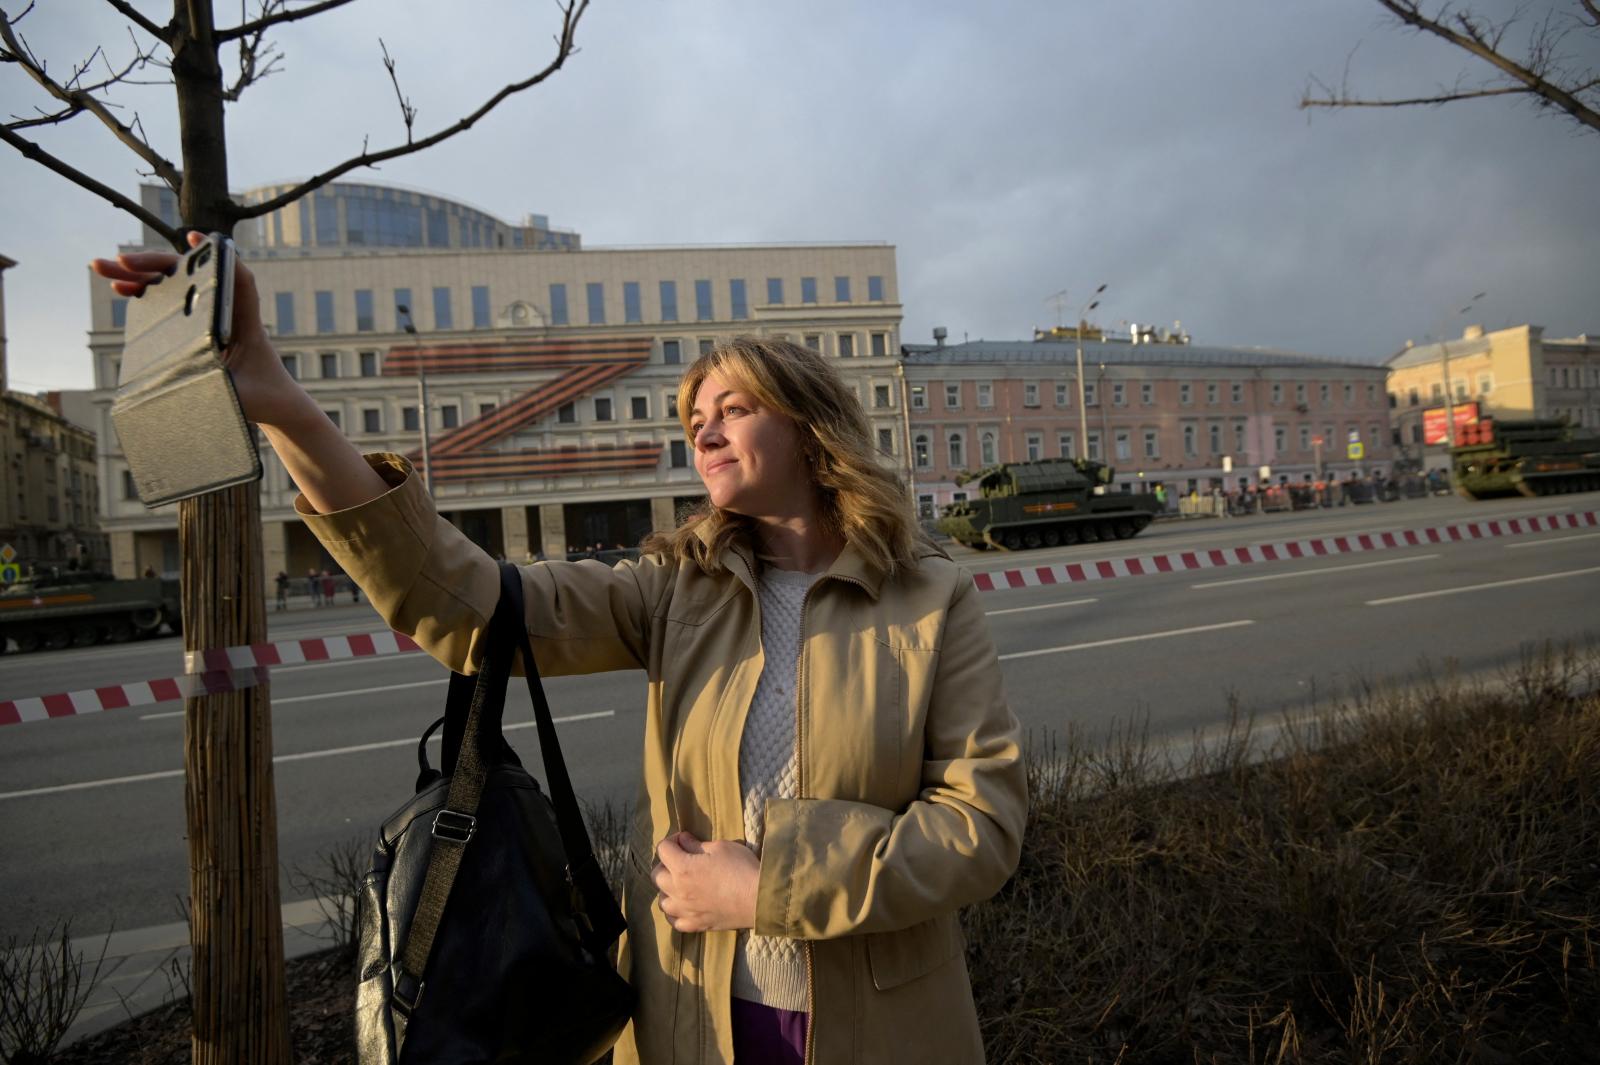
x=1531 y=457
x=1044 y=504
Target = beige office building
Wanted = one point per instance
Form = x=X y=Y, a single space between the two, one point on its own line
x=551 y=369
x=1509 y=373
x=1189 y=416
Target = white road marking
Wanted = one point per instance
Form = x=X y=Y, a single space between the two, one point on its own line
x=1313 y=572
x=1041 y=606
x=1117 y=640
x=324 y=695
x=1552 y=540
x=167 y=774
x=1480 y=587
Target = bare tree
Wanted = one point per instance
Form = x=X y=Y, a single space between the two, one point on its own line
x=1548 y=59
x=238 y=988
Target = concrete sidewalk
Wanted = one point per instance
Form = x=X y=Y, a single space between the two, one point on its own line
x=147 y=967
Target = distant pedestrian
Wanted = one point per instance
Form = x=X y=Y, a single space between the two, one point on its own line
x=149 y=571
x=283 y=590
x=1161 y=496
x=355 y=592
x=314 y=587
x=327 y=588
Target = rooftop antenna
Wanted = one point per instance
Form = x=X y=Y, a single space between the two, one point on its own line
x=1059 y=300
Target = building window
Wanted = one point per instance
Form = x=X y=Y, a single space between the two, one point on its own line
x=595 y=293
x=920 y=450
x=1325 y=393
x=1030 y=394
x=1485 y=384
x=814 y=342
x=678 y=454
x=1373 y=431
x=442 y=317
x=671 y=404
x=119 y=312
x=558 y=304
x=919 y=397
x=329 y=362
x=1064 y=445
x=985 y=395
x=707 y=345
x=1147 y=393
x=639 y=408
x=880 y=344
x=1438 y=390
x=408 y=419
x=1035 y=445
x=1461 y=387
x=1186 y=394
x=671 y=352
x=958 y=451
x=284 y=306
x=1119 y=394
x=886 y=441
x=775 y=290
x=1152 y=444
x=324 y=311
x=1300 y=392
x=1327 y=436
x=365 y=320
x=1063 y=394
x=1091 y=397
x=129 y=489
x=875 y=288
x=1188 y=441
x=1214 y=432
x=847 y=345
x=1238 y=437
x=1094 y=446
x=291 y=363
x=1372 y=393
x=1350 y=395
x=880 y=396
x=333 y=416
x=738 y=308
x=371 y=420
x=567 y=414
x=1123 y=444
x=669 y=301
x=925 y=507
x=402 y=298
x=1280 y=442
x=1412 y=398
x=1236 y=392
x=702 y=301
x=952 y=397
x=1305 y=438
x=449 y=416
x=808 y=290
x=841 y=290
x=369 y=364
x=631 y=311
x=1277 y=391
x=1211 y=393
x=986 y=446
x=485 y=409
x=602 y=409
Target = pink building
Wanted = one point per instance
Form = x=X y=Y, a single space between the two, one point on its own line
x=1191 y=417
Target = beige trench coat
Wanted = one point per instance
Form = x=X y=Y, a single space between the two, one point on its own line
x=911 y=783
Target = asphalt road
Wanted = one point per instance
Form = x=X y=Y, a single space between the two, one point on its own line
x=91 y=808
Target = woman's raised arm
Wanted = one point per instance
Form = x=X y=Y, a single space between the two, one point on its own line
x=324 y=465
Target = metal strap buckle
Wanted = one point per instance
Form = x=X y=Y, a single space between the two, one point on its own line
x=406 y=994
x=454 y=826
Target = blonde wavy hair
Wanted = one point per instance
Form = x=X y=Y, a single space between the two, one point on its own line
x=860 y=500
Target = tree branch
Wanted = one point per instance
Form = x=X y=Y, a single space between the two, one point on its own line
x=408 y=114
x=77 y=177
x=270 y=18
x=572 y=12
x=1353 y=101
x=17 y=51
x=164 y=35
x=252 y=50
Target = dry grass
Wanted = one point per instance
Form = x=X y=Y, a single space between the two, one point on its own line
x=1406 y=877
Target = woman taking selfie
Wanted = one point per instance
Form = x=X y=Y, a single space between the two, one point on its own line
x=830 y=769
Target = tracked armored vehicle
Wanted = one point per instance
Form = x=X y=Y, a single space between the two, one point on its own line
x=78 y=610
x=1042 y=504
x=1531 y=457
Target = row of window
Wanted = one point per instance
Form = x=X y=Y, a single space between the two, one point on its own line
x=1120 y=391
x=1123 y=439
x=557 y=310
x=1572 y=376
x=1436 y=392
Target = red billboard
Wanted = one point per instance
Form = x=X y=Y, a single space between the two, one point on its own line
x=1433 y=421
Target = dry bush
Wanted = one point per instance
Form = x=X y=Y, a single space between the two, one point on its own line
x=335 y=882
x=1403 y=877
x=43 y=986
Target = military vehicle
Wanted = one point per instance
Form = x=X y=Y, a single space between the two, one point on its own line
x=1531 y=457
x=80 y=609
x=1043 y=504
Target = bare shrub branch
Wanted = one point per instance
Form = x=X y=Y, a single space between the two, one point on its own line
x=408 y=114
x=275 y=13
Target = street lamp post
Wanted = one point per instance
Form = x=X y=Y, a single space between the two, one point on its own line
x=422 y=395
x=1449 y=396
x=1083 y=411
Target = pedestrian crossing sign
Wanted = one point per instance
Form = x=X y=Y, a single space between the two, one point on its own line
x=10 y=573
x=1356 y=451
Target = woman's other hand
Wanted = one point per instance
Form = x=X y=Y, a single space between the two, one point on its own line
x=706 y=887
x=267 y=394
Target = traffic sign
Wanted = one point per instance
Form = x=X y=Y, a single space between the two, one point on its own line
x=8 y=554
x=1356 y=450
x=1355 y=436
x=10 y=573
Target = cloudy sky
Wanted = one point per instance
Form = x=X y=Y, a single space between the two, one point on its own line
x=1008 y=150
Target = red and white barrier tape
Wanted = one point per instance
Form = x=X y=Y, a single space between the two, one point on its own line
x=207 y=673
x=1180 y=561
x=234 y=668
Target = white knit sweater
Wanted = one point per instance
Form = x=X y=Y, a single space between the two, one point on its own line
x=772 y=969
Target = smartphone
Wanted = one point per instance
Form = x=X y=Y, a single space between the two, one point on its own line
x=176 y=413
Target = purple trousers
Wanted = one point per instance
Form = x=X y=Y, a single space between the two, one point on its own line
x=766 y=1035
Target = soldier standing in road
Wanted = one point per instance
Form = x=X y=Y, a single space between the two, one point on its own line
x=283 y=590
